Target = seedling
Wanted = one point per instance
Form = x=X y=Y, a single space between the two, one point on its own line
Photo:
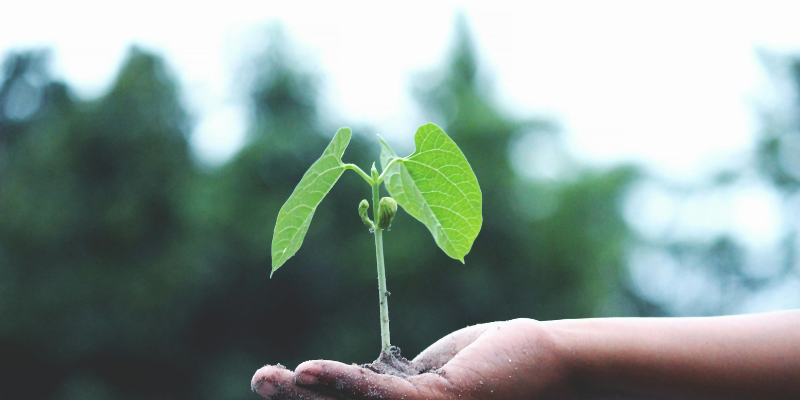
x=435 y=185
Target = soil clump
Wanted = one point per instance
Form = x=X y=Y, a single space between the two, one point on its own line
x=393 y=364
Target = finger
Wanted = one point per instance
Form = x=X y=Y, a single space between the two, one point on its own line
x=351 y=381
x=277 y=383
x=441 y=352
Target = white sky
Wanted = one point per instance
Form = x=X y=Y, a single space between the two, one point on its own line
x=670 y=85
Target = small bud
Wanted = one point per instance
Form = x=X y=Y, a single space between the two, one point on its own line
x=362 y=211
x=387 y=208
x=373 y=172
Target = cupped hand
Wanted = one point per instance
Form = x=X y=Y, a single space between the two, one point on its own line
x=510 y=360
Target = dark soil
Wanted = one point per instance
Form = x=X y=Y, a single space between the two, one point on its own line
x=393 y=364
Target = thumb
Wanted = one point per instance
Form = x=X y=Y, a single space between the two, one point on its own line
x=441 y=352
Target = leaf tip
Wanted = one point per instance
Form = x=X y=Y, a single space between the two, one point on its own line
x=345 y=133
x=274 y=268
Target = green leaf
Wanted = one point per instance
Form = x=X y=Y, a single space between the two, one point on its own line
x=295 y=215
x=436 y=185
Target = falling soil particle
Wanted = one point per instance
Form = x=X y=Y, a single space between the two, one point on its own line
x=393 y=364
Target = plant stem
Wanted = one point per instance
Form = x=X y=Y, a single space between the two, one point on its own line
x=381 y=269
x=390 y=165
x=359 y=171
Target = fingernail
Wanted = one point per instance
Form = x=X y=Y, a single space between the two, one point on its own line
x=306 y=379
x=264 y=388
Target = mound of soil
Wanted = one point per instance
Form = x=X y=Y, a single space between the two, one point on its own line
x=393 y=364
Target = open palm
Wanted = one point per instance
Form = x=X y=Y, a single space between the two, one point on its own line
x=509 y=360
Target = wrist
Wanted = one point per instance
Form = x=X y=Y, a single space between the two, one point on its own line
x=565 y=339
x=552 y=361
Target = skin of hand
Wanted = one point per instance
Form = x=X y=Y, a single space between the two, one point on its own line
x=733 y=357
x=510 y=360
x=753 y=356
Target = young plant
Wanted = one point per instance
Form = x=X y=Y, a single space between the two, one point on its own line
x=435 y=185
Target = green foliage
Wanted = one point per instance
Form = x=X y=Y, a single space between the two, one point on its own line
x=296 y=214
x=95 y=234
x=436 y=186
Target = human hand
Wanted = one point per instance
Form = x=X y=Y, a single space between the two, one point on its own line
x=510 y=360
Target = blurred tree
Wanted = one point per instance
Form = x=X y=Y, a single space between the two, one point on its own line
x=92 y=231
x=26 y=92
x=779 y=143
x=720 y=273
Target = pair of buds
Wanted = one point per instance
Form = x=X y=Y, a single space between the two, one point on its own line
x=387 y=208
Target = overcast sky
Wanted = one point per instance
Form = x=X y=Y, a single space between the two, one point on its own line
x=672 y=85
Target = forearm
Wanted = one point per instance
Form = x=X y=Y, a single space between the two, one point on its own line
x=749 y=356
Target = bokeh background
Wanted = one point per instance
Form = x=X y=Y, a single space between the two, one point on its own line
x=635 y=160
